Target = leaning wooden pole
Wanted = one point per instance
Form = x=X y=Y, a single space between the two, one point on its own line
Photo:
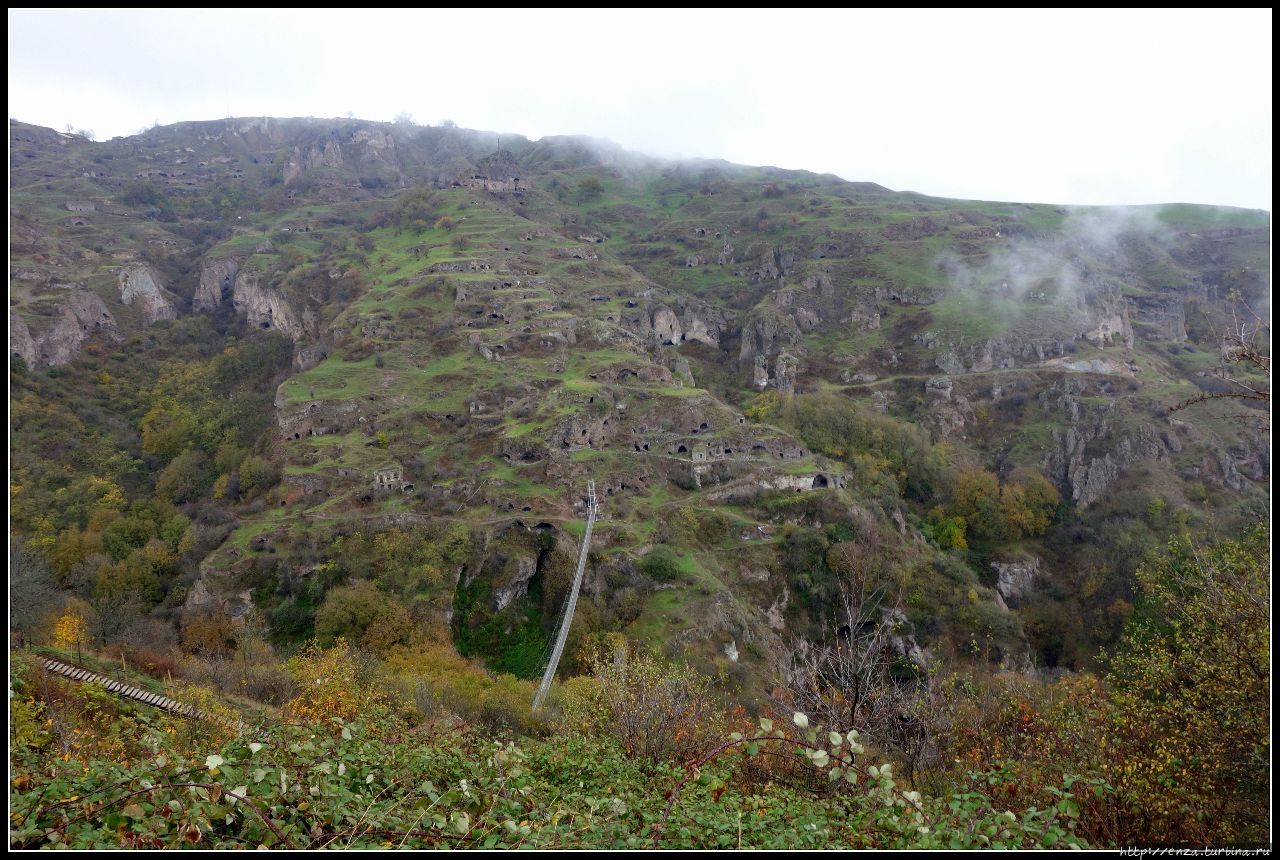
x=545 y=686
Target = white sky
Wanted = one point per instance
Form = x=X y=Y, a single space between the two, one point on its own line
x=1099 y=107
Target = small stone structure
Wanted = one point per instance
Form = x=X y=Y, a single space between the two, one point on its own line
x=497 y=173
x=388 y=478
x=80 y=206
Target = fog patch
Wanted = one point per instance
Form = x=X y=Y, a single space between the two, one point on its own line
x=1090 y=252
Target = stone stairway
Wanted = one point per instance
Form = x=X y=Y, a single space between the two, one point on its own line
x=137 y=694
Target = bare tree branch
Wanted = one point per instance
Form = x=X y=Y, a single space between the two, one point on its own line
x=1240 y=346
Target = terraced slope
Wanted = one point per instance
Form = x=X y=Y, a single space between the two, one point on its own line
x=479 y=326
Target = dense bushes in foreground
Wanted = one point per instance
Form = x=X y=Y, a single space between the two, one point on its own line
x=377 y=781
x=425 y=749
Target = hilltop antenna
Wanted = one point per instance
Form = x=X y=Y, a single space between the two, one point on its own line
x=550 y=673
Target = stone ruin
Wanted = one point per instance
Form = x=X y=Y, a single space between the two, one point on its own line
x=497 y=173
x=389 y=479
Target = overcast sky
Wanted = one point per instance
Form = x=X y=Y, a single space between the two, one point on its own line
x=1097 y=107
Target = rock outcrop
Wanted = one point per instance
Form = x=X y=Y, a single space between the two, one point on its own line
x=317 y=417
x=266 y=308
x=80 y=315
x=702 y=322
x=327 y=155
x=1087 y=458
x=517 y=583
x=217 y=283
x=1161 y=319
x=772 y=265
x=902 y=640
x=785 y=367
x=21 y=344
x=690 y=320
x=1016 y=579
x=666 y=325
x=584 y=431
x=139 y=284
x=820 y=283
x=996 y=353
x=766 y=334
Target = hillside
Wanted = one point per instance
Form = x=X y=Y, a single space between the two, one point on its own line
x=480 y=324
x=288 y=381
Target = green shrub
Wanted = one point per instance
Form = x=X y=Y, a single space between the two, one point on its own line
x=661 y=564
x=257 y=474
x=657 y=710
x=360 y=613
x=186 y=478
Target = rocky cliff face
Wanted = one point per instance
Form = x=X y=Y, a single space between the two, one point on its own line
x=1099 y=316
x=140 y=285
x=80 y=315
x=689 y=320
x=785 y=367
x=328 y=154
x=998 y=353
x=1161 y=318
x=217 y=283
x=548 y=367
x=21 y=344
x=702 y=322
x=266 y=308
x=1016 y=579
x=374 y=146
x=317 y=418
x=820 y=282
x=765 y=334
x=1088 y=457
x=772 y=265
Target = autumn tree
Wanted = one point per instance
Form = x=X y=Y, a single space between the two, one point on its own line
x=257 y=474
x=31 y=591
x=947 y=531
x=590 y=188
x=360 y=612
x=331 y=682
x=71 y=631
x=140 y=575
x=211 y=633
x=1192 y=693
x=995 y=512
x=656 y=709
x=1028 y=502
x=168 y=428
x=186 y=478
x=975 y=496
x=416 y=209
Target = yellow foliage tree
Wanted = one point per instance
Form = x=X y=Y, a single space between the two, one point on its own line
x=329 y=686
x=70 y=632
x=764 y=406
x=1192 y=694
